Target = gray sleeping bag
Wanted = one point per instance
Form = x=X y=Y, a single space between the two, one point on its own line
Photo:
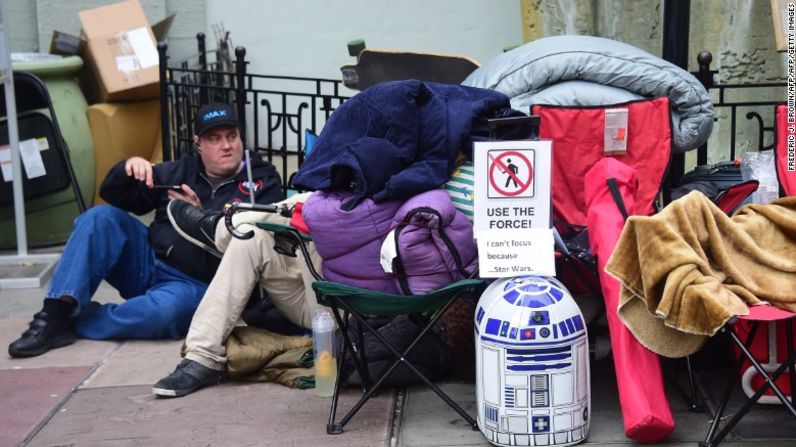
x=593 y=71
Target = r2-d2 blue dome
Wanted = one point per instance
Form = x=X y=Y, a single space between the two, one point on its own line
x=532 y=364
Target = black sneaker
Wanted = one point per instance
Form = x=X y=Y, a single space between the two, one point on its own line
x=194 y=224
x=45 y=332
x=188 y=377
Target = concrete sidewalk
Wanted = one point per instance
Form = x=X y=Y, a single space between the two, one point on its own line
x=98 y=394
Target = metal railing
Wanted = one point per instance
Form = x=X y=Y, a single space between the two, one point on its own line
x=275 y=111
x=748 y=110
x=744 y=116
x=753 y=101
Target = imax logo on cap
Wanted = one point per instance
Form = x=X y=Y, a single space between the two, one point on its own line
x=214 y=114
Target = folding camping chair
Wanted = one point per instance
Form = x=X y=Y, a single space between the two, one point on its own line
x=32 y=98
x=757 y=315
x=762 y=382
x=350 y=306
x=578 y=134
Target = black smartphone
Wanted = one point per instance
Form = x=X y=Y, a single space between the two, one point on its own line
x=172 y=187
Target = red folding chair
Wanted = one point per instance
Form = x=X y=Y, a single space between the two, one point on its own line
x=746 y=326
x=763 y=357
x=628 y=184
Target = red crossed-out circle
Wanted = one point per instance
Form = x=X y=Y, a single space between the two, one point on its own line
x=497 y=163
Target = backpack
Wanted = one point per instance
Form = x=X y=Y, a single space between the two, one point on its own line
x=429 y=356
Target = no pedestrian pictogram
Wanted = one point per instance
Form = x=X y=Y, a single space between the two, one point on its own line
x=510 y=173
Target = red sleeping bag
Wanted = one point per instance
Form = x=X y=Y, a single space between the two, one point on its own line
x=642 y=397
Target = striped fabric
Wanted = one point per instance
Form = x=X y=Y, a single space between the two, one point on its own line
x=461 y=188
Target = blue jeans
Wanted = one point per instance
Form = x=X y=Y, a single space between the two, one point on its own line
x=108 y=244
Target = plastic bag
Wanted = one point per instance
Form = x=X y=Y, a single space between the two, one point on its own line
x=760 y=166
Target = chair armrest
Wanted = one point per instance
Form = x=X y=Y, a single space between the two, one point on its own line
x=280 y=228
x=287 y=240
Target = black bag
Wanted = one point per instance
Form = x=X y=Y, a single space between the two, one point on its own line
x=711 y=180
x=260 y=312
x=722 y=174
x=428 y=356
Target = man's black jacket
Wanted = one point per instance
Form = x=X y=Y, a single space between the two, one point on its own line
x=133 y=196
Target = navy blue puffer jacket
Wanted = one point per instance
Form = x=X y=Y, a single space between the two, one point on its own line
x=397 y=139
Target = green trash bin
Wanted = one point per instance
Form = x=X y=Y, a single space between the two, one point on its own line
x=49 y=218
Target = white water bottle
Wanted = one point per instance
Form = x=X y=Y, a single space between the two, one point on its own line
x=323 y=347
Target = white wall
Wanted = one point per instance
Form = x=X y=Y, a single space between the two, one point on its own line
x=309 y=37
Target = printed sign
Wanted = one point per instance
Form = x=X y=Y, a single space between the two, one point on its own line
x=510 y=173
x=615 y=132
x=512 y=208
x=512 y=184
x=511 y=253
x=5 y=163
x=31 y=158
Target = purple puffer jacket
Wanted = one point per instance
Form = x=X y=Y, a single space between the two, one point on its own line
x=434 y=241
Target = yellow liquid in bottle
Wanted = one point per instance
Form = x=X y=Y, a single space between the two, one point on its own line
x=325 y=373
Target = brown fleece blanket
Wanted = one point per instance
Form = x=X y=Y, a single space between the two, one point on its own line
x=690 y=268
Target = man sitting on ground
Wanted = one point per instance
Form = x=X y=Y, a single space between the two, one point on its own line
x=161 y=276
x=287 y=280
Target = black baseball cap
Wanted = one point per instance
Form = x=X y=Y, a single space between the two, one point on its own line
x=213 y=115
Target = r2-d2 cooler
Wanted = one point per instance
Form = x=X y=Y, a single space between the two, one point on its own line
x=532 y=364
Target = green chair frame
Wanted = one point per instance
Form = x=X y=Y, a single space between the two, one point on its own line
x=352 y=304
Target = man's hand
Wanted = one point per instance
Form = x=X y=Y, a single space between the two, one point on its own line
x=141 y=169
x=187 y=195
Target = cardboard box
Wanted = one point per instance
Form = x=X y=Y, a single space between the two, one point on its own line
x=121 y=131
x=161 y=29
x=121 y=53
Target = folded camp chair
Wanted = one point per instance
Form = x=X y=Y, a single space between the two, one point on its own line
x=579 y=135
x=762 y=357
x=32 y=98
x=350 y=305
x=741 y=331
